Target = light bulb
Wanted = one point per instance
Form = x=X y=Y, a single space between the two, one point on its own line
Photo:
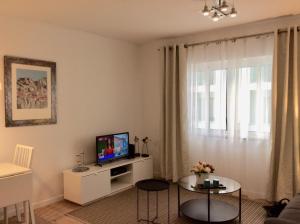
x=215 y=17
x=224 y=6
x=233 y=13
x=205 y=11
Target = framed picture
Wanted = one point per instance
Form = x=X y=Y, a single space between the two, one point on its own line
x=30 y=92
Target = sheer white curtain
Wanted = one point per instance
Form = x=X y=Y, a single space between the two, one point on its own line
x=229 y=108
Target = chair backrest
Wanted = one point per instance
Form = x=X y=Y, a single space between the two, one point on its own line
x=23 y=155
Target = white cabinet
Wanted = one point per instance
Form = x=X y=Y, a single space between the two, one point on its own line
x=97 y=182
x=142 y=170
x=94 y=186
x=82 y=189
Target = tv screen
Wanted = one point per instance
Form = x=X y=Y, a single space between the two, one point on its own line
x=112 y=147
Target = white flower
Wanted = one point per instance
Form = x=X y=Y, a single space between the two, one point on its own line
x=202 y=167
x=207 y=170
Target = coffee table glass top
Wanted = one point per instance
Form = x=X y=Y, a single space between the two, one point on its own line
x=189 y=183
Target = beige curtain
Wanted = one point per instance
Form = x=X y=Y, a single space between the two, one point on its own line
x=173 y=156
x=285 y=171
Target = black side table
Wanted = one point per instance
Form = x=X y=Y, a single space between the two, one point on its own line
x=152 y=185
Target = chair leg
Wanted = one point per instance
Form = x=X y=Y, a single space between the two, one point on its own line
x=31 y=212
x=18 y=212
x=26 y=211
x=5 y=215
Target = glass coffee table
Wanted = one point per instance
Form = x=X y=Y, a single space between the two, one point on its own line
x=209 y=210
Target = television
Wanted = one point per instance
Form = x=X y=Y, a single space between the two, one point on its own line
x=112 y=147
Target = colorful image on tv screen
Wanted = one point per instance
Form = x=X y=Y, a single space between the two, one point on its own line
x=112 y=147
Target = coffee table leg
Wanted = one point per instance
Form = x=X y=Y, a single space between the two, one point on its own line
x=240 y=205
x=208 y=206
x=148 y=215
x=178 y=197
x=137 y=204
x=156 y=204
x=169 y=204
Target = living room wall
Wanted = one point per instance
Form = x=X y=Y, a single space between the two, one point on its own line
x=98 y=92
x=151 y=68
x=103 y=86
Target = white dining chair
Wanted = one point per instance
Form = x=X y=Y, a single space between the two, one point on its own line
x=22 y=157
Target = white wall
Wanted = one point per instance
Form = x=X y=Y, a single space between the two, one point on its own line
x=150 y=67
x=98 y=92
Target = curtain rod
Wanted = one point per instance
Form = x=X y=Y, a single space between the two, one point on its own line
x=234 y=38
x=227 y=39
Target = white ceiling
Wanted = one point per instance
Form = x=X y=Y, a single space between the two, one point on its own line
x=139 y=21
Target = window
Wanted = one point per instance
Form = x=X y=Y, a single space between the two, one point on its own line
x=239 y=95
x=210 y=98
x=229 y=87
x=259 y=88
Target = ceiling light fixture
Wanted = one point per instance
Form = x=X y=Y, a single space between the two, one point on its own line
x=233 y=13
x=219 y=10
x=205 y=10
x=215 y=17
x=224 y=6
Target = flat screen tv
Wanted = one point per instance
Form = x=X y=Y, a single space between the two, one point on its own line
x=112 y=147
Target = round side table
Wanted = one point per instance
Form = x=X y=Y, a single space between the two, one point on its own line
x=152 y=185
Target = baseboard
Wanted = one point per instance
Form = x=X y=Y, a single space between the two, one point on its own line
x=254 y=195
x=48 y=201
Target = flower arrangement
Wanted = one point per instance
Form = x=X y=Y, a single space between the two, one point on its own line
x=202 y=167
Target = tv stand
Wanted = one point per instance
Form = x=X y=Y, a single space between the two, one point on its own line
x=85 y=187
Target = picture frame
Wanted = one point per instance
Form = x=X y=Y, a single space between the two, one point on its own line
x=30 y=92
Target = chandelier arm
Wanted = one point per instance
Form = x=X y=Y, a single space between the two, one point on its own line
x=219 y=11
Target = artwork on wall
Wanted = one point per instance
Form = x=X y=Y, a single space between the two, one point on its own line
x=30 y=92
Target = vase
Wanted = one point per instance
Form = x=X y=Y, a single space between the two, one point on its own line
x=201 y=177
